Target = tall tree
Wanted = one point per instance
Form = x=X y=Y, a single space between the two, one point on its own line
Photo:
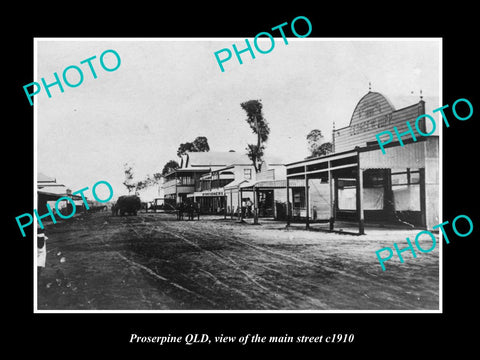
x=260 y=127
x=200 y=144
x=148 y=181
x=317 y=144
x=142 y=184
x=183 y=148
x=158 y=176
x=129 y=184
x=168 y=167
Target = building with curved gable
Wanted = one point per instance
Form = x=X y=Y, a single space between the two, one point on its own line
x=357 y=182
x=375 y=113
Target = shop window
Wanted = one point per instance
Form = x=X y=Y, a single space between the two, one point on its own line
x=346 y=183
x=185 y=180
x=373 y=178
x=399 y=179
x=414 y=177
x=406 y=190
x=296 y=170
x=344 y=161
x=318 y=166
x=408 y=177
x=298 y=198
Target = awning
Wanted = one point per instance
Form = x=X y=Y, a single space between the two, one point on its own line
x=54 y=195
x=273 y=184
x=207 y=193
x=409 y=156
x=234 y=185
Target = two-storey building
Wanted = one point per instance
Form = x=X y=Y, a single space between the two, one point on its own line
x=210 y=190
x=186 y=179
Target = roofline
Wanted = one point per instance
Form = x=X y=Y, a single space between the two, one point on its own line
x=363 y=97
x=171 y=172
x=408 y=141
x=186 y=170
x=53 y=179
x=322 y=157
x=371 y=147
x=73 y=197
x=225 y=168
x=394 y=111
x=229 y=185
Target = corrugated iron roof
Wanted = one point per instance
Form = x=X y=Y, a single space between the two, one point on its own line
x=221 y=158
x=234 y=184
x=54 y=194
x=44 y=178
x=274 y=184
x=213 y=158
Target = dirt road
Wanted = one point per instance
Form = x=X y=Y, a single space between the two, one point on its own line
x=153 y=262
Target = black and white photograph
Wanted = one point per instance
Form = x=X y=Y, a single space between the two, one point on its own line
x=226 y=178
x=228 y=186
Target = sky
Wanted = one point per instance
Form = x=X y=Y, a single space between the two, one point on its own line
x=169 y=91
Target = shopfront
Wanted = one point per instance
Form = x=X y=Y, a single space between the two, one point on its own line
x=209 y=201
x=361 y=184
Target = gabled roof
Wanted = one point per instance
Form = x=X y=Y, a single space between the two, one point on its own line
x=235 y=184
x=44 y=178
x=213 y=158
x=56 y=193
x=54 y=190
x=273 y=160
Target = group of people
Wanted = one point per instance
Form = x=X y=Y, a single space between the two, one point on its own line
x=247 y=206
x=190 y=208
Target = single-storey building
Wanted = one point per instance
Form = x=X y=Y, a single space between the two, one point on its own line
x=358 y=182
x=49 y=191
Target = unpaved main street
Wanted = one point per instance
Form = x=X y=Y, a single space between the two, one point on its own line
x=153 y=262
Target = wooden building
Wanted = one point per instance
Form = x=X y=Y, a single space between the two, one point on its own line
x=263 y=189
x=223 y=190
x=185 y=180
x=359 y=183
x=49 y=191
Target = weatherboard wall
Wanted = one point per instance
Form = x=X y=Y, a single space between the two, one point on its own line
x=374 y=114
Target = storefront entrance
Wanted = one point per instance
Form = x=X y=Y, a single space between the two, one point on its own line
x=389 y=196
x=265 y=203
x=211 y=204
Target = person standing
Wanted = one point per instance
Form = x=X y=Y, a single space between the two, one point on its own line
x=114 y=210
x=41 y=250
x=249 y=208
x=190 y=210
x=180 y=209
x=197 y=209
